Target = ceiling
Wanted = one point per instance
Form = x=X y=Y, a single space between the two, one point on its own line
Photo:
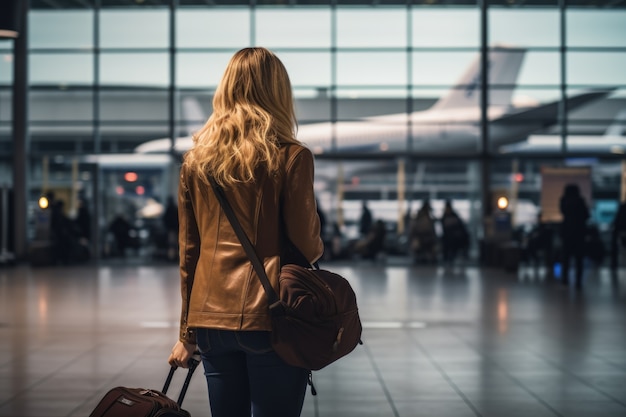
x=74 y=4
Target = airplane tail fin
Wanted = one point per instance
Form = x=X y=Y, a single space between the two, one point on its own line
x=618 y=127
x=193 y=115
x=503 y=69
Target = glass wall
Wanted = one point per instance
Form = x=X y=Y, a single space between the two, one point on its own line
x=6 y=114
x=372 y=82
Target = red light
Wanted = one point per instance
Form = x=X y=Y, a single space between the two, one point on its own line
x=518 y=177
x=140 y=190
x=119 y=190
x=130 y=176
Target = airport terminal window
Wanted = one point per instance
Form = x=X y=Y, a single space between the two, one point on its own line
x=60 y=29
x=366 y=92
x=598 y=127
x=307 y=69
x=445 y=27
x=60 y=69
x=212 y=28
x=6 y=111
x=596 y=68
x=371 y=68
x=394 y=201
x=540 y=68
x=354 y=28
x=524 y=27
x=200 y=69
x=423 y=97
x=145 y=69
x=596 y=27
x=77 y=108
x=6 y=64
x=375 y=135
x=517 y=180
x=134 y=28
x=146 y=105
x=538 y=137
x=116 y=140
x=58 y=140
x=351 y=104
x=350 y=64
x=440 y=68
x=313 y=107
x=6 y=139
x=131 y=5
x=533 y=95
x=527 y=198
x=192 y=110
x=299 y=28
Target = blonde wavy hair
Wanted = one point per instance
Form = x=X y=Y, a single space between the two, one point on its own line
x=253 y=113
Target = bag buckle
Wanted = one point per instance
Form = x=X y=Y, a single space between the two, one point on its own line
x=277 y=308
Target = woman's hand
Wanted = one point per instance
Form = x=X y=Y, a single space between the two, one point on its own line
x=181 y=353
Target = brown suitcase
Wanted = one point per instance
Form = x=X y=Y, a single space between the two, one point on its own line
x=142 y=402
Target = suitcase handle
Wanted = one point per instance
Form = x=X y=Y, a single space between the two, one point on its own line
x=193 y=363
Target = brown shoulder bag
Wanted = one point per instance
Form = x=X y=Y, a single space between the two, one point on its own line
x=315 y=319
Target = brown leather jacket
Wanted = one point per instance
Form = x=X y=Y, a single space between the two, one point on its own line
x=225 y=291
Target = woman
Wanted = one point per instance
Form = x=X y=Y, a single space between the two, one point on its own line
x=248 y=146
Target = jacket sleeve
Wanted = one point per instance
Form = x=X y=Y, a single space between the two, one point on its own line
x=301 y=220
x=189 y=247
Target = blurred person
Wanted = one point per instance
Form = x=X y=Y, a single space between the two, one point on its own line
x=338 y=248
x=538 y=243
x=365 y=223
x=249 y=147
x=83 y=221
x=82 y=229
x=423 y=236
x=120 y=229
x=371 y=245
x=573 y=231
x=63 y=233
x=170 y=222
x=455 y=238
x=618 y=234
x=323 y=226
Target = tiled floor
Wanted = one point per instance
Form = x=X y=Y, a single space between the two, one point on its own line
x=438 y=342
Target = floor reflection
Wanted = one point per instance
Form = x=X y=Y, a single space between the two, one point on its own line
x=439 y=341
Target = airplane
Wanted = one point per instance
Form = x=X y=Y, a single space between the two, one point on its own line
x=613 y=141
x=452 y=124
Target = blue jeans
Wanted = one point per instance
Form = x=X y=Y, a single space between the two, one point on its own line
x=246 y=377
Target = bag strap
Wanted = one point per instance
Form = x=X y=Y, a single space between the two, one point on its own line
x=272 y=297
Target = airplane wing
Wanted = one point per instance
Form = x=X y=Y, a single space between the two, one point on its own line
x=612 y=142
x=547 y=114
x=539 y=117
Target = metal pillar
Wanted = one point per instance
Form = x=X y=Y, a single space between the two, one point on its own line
x=20 y=134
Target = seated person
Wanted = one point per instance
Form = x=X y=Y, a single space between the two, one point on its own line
x=373 y=242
